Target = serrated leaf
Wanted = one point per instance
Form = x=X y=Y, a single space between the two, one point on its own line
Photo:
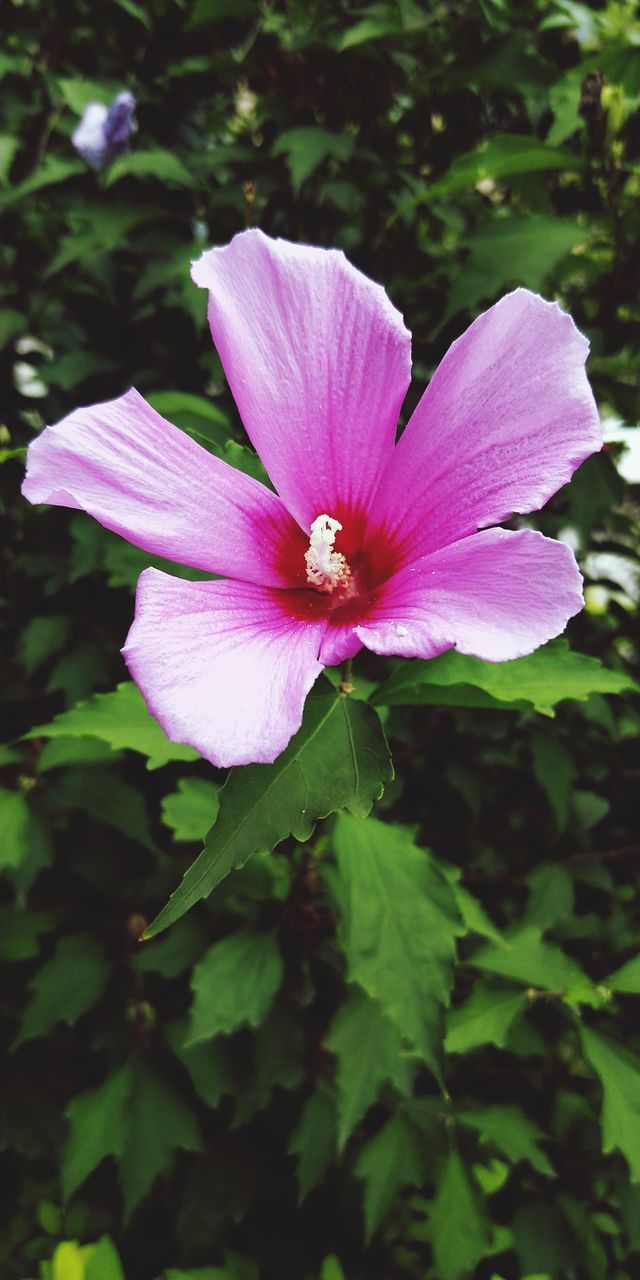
x=103 y=1262
x=192 y=809
x=19 y=932
x=473 y=914
x=370 y=1053
x=555 y=771
x=121 y=1118
x=511 y=251
x=314 y=1140
x=338 y=759
x=502 y=156
x=485 y=1018
x=97 y=1129
x=512 y=1132
x=51 y=171
x=25 y=843
x=278 y=1062
x=209 y=1065
x=78 y=93
x=41 y=638
x=625 y=979
x=550 y=895
x=307 y=146
x=384 y=27
x=399 y=927
x=390 y=1161
x=152 y=163
x=8 y=148
x=549 y=676
x=157 y=1122
x=65 y=987
x=619 y=1072
x=234 y=984
x=527 y=958
x=460 y=1231
x=121 y=719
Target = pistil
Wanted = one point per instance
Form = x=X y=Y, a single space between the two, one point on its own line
x=326 y=569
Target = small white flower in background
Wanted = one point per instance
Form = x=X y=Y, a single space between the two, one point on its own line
x=104 y=131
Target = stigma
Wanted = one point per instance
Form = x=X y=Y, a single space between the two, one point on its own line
x=326 y=569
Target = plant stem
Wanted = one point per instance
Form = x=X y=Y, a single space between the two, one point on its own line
x=345 y=685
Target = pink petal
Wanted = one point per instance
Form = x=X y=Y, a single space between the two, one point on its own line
x=142 y=477
x=496 y=595
x=318 y=361
x=505 y=421
x=224 y=666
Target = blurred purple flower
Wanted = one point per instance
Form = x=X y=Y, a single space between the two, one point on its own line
x=104 y=131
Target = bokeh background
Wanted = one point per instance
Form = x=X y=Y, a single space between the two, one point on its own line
x=453 y=150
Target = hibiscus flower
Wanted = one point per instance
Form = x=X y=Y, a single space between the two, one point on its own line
x=364 y=541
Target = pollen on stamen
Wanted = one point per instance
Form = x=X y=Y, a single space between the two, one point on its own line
x=326 y=568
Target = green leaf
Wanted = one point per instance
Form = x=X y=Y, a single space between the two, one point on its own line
x=209 y=1065
x=338 y=759
x=485 y=1018
x=314 y=1140
x=511 y=251
x=547 y=677
x=97 y=1129
x=555 y=771
x=384 y=27
x=8 y=148
x=77 y=94
x=370 y=1053
x=525 y=957
x=502 y=156
x=60 y=753
x=121 y=1118
x=197 y=415
x=234 y=984
x=192 y=809
x=278 y=1062
x=626 y=978
x=152 y=163
x=20 y=930
x=103 y=1262
x=25 y=844
x=15 y=822
x=108 y=799
x=121 y=719
x=48 y=174
x=398 y=930
x=460 y=1231
x=473 y=914
x=157 y=1122
x=213 y=10
x=619 y=1072
x=307 y=146
x=65 y=987
x=551 y=895
x=391 y=1160
x=512 y=1132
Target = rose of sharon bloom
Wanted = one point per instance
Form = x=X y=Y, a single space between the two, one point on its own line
x=365 y=541
x=104 y=132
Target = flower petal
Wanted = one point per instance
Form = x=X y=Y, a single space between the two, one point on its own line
x=318 y=361
x=224 y=666
x=146 y=480
x=505 y=421
x=496 y=595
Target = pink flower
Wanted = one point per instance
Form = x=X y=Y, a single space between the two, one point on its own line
x=365 y=542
